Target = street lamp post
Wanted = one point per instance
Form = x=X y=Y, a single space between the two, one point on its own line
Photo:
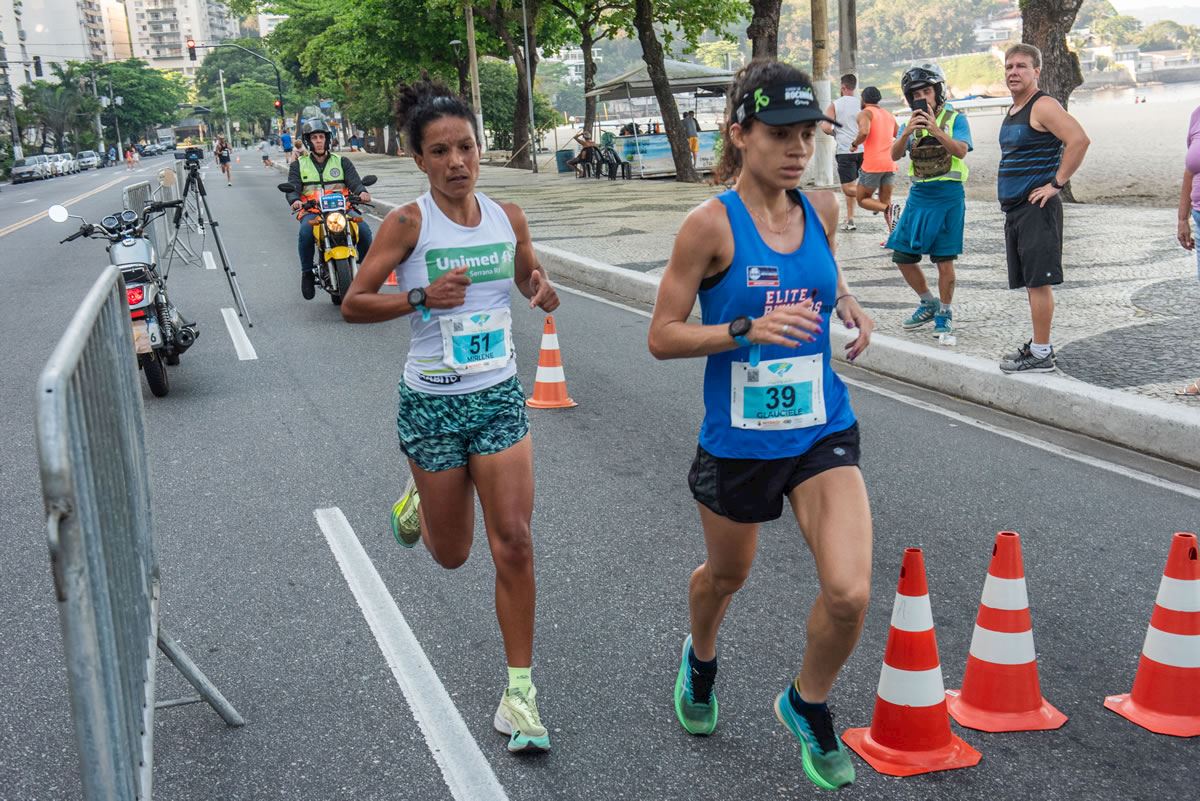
x=260 y=57
x=224 y=105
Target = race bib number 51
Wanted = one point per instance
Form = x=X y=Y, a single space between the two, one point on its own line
x=478 y=341
x=778 y=394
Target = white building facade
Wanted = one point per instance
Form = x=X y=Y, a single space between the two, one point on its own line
x=159 y=30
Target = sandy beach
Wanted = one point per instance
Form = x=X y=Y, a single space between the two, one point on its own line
x=1136 y=156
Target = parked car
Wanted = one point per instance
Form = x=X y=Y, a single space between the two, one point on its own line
x=65 y=163
x=86 y=159
x=152 y=150
x=31 y=168
x=69 y=159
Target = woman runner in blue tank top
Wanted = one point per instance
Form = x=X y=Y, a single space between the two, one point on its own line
x=777 y=421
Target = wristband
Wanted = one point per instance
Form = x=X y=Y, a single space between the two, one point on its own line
x=1054 y=182
x=847 y=295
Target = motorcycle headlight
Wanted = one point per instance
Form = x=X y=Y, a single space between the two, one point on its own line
x=336 y=222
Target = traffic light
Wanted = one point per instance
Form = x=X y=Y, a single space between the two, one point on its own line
x=191 y=46
x=278 y=104
x=37 y=66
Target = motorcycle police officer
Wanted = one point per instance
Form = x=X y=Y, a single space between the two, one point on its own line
x=315 y=173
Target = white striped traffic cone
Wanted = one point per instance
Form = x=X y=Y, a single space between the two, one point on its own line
x=1166 y=690
x=550 y=385
x=1000 y=690
x=910 y=730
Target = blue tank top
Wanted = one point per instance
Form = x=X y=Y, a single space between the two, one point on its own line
x=1029 y=158
x=758 y=280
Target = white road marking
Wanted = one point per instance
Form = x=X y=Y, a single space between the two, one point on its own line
x=28 y=220
x=241 y=343
x=209 y=264
x=464 y=768
x=1024 y=439
x=31 y=200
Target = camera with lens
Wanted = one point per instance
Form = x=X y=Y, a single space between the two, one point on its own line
x=191 y=157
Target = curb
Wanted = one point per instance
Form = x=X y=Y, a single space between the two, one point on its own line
x=1131 y=421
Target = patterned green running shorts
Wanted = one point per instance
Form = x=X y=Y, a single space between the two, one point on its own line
x=440 y=432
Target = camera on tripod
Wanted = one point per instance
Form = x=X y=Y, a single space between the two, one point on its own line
x=191 y=156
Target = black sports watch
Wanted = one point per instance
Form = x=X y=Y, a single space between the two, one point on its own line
x=1054 y=182
x=416 y=299
x=739 y=327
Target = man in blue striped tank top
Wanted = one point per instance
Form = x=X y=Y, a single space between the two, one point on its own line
x=1041 y=147
x=778 y=422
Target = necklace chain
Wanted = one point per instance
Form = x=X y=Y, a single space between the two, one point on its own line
x=767 y=222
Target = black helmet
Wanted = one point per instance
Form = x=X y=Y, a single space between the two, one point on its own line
x=317 y=126
x=921 y=76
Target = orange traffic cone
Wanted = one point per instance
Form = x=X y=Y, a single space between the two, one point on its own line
x=391 y=279
x=1166 y=690
x=1000 y=690
x=910 y=730
x=550 y=385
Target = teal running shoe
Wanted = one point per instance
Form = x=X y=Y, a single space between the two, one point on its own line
x=924 y=313
x=826 y=761
x=695 y=717
x=943 y=322
x=517 y=716
x=406 y=518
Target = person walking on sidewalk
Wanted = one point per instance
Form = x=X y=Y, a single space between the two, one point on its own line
x=937 y=139
x=461 y=419
x=849 y=157
x=778 y=422
x=1041 y=147
x=876 y=132
x=1189 y=202
x=692 y=129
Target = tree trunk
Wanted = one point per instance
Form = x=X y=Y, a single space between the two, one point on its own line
x=1045 y=24
x=763 y=30
x=495 y=16
x=589 y=77
x=463 y=68
x=652 y=54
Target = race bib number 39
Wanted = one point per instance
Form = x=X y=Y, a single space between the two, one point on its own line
x=778 y=394
x=478 y=341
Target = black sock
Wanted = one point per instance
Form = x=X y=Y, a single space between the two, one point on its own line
x=703 y=676
x=818 y=717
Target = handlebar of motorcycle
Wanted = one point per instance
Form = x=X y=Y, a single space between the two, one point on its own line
x=84 y=230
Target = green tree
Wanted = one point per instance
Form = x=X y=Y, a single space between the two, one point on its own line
x=1118 y=30
x=238 y=66
x=1093 y=10
x=251 y=103
x=1165 y=35
x=150 y=97
x=499 y=98
x=721 y=54
x=63 y=107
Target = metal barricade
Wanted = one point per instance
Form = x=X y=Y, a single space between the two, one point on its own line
x=96 y=487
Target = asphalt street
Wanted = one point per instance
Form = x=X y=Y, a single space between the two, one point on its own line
x=243 y=451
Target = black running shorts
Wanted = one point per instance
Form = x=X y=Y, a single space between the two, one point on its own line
x=848 y=165
x=1033 y=240
x=752 y=490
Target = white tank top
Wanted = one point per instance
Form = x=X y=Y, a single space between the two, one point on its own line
x=489 y=249
x=846 y=109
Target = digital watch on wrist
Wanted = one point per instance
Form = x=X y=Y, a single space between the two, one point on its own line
x=1054 y=182
x=416 y=299
x=739 y=327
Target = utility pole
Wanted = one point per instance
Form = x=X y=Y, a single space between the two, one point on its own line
x=529 y=88
x=822 y=163
x=476 y=105
x=225 y=106
x=99 y=123
x=847 y=37
x=114 y=102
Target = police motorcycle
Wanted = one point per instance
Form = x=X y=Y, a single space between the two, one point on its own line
x=160 y=333
x=335 y=227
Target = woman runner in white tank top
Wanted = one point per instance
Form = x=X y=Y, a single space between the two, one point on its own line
x=461 y=418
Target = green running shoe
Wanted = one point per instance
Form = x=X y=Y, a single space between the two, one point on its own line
x=696 y=718
x=828 y=767
x=406 y=520
x=517 y=716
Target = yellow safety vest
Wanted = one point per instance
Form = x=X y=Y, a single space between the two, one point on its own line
x=313 y=182
x=958 y=167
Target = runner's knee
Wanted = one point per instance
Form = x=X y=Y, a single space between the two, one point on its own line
x=846 y=602
x=726 y=581
x=450 y=555
x=513 y=545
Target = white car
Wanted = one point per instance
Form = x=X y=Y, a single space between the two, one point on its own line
x=69 y=165
x=86 y=159
x=31 y=168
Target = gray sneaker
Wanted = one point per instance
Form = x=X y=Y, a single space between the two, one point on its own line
x=1028 y=363
x=1023 y=351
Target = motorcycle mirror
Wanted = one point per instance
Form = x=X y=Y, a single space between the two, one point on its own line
x=58 y=213
x=285 y=188
x=369 y=180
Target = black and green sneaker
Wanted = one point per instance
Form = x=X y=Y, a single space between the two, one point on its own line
x=826 y=761
x=695 y=698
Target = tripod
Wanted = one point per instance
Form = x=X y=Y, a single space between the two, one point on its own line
x=195 y=183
